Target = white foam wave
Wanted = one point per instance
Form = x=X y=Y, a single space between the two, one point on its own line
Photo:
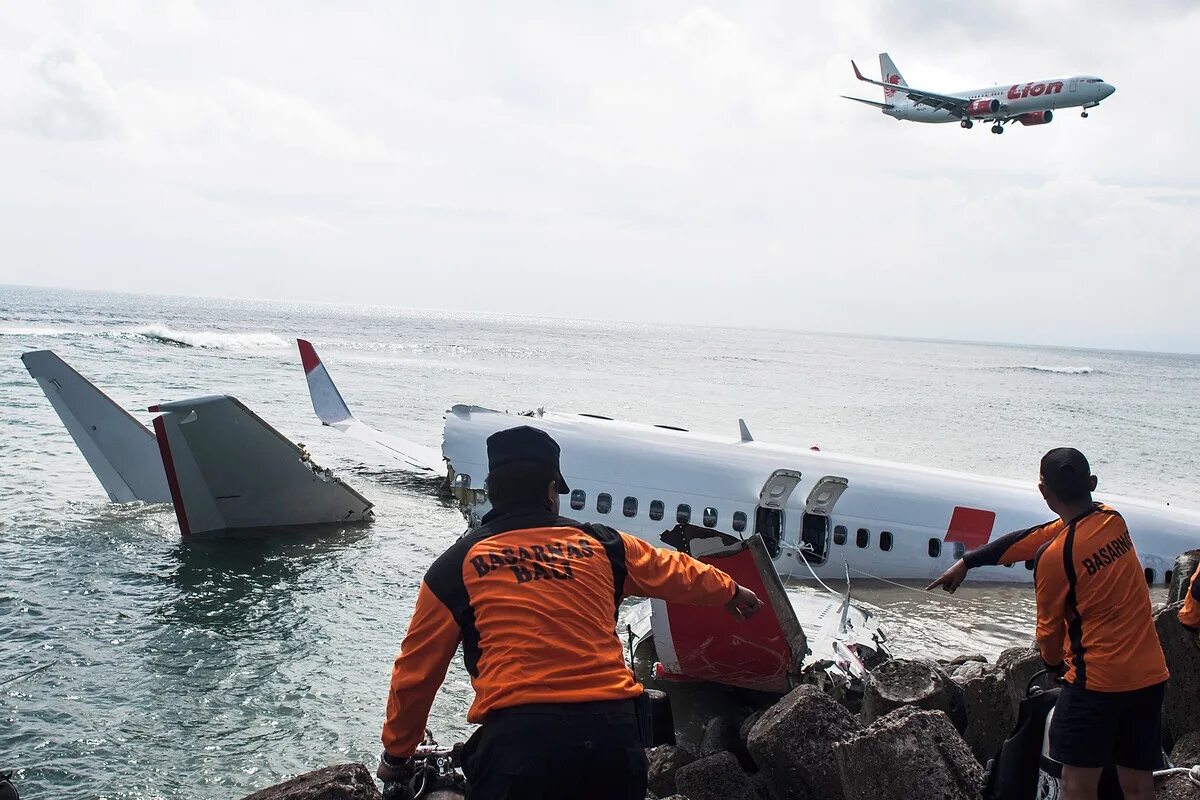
x=210 y=340
x=33 y=330
x=1057 y=370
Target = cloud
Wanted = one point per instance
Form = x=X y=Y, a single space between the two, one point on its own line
x=677 y=162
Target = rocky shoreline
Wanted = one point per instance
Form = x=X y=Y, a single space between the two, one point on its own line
x=925 y=730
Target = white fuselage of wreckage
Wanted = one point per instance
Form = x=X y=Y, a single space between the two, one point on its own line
x=893 y=521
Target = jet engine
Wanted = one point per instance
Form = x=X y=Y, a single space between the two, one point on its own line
x=983 y=107
x=1036 y=117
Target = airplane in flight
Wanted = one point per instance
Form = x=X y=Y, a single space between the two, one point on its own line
x=1031 y=103
x=876 y=518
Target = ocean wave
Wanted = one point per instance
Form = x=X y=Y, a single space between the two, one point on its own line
x=160 y=334
x=1055 y=370
x=34 y=330
x=208 y=340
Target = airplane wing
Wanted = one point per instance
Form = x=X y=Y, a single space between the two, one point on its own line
x=955 y=105
x=333 y=412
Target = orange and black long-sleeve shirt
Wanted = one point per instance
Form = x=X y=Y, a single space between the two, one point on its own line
x=533 y=599
x=1189 y=615
x=1093 y=605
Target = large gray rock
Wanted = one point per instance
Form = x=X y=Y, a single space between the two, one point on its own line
x=990 y=713
x=664 y=761
x=905 y=682
x=962 y=673
x=1181 y=575
x=1180 y=705
x=911 y=754
x=1020 y=664
x=1186 y=752
x=792 y=743
x=1176 y=787
x=714 y=777
x=340 y=782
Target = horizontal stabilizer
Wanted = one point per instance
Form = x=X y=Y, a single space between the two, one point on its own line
x=884 y=106
x=119 y=449
x=228 y=469
x=333 y=412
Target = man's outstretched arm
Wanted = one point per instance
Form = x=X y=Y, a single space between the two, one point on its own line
x=669 y=575
x=1010 y=548
x=425 y=655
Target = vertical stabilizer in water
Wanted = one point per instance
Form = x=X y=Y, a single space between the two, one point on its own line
x=118 y=448
x=228 y=469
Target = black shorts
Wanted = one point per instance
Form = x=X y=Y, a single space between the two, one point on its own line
x=557 y=751
x=1096 y=729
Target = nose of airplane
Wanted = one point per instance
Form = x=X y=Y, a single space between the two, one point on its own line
x=1106 y=89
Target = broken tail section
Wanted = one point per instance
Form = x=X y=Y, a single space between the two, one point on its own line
x=229 y=470
x=120 y=450
x=333 y=412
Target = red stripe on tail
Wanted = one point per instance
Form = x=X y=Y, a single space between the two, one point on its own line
x=164 y=449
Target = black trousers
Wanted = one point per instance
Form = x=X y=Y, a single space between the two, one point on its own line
x=548 y=751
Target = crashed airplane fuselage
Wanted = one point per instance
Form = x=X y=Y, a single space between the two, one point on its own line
x=885 y=520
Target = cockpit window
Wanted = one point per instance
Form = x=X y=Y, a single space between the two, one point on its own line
x=1093 y=80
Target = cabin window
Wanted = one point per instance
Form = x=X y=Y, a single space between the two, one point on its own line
x=839 y=534
x=578 y=499
x=885 y=540
x=629 y=509
x=1030 y=564
x=935 y=548
x=739 y=521
x=1149 y=576
x=604 y=502
x=683 y=514
x=656 y=510
x=864 y=537
x=710 y=517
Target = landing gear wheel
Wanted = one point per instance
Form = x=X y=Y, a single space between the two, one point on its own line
x=1083 y=114
x=997 y=128
x=966 y=123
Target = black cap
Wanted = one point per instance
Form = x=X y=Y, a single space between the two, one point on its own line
x=525 y=444
x=1066 y=472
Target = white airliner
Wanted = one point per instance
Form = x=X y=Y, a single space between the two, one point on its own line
x=1031 y=103
x=882 y=519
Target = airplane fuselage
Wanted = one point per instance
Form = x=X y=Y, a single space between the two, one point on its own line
x=1014 y=99
x=893 y=521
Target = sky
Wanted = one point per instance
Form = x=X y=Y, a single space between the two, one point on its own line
x=658 y=162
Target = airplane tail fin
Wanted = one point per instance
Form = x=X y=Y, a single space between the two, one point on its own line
x=228 y=469
x=120 y=450
x=889 y=73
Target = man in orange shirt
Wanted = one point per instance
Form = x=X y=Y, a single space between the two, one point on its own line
x=1094 y=626
x=533 y=599
x=1189 y=615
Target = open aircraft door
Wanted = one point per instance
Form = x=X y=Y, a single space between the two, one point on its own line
x=768 y=517
x=816 y=529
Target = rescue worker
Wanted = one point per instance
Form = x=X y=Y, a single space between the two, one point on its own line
x=533 y=599
x=1094 y=627
x=1189 y=615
